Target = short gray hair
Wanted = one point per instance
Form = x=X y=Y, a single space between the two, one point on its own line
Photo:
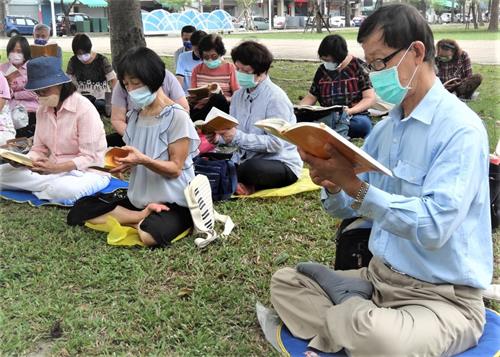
x=40 y=27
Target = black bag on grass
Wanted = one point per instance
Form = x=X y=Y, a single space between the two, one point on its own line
x=351 y=242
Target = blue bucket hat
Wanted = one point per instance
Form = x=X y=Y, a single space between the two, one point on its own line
x=44 y=72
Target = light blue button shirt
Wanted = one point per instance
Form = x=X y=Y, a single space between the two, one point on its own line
x=432 y=219
x=266 y=101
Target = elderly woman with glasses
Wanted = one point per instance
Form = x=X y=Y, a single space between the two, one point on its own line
x=342 y=79
x=69 y=138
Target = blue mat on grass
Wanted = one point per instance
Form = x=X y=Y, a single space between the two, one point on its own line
x=28 y=197
x=488 y=346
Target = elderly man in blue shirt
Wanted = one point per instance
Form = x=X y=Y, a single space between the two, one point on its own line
x=431 y=235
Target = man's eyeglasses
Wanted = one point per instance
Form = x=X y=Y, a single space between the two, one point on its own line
x=380 y=63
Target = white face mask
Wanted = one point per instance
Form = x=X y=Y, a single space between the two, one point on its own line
x=84 y=58
x=16 y=58
x=49 y=101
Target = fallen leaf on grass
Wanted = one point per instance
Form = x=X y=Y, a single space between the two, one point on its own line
x=184 y=292
x=280 y=259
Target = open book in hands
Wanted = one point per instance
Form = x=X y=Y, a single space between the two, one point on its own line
x=16 y=158
x=11 y=73
x=49 y=50
x=204 y=91
x=312 y=138
x=310 y=113
x=216 y=120
x=109 y=159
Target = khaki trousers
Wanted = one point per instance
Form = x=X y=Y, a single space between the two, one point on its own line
x=405 y=317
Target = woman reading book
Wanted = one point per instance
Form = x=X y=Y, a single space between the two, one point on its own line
x=69 y=137
x=213 y=70
x=23 y=101
x=161 y=143
x=264 y=161
x=342 y=79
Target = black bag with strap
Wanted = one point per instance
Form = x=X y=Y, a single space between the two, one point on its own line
x=351 y=242
x=494 y=176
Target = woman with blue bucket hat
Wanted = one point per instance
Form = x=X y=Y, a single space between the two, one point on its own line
x=69 y=138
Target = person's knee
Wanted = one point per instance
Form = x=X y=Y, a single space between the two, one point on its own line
x=360 y=126
x=281 y=278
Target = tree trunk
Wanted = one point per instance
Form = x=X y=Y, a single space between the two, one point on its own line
x=66 y=10
x=125 y=25
x=452 y=11
x=319 y=23
x=347 y=13
x=479 y=15
x=474 y=16
x=3 y=12
x=493 y=26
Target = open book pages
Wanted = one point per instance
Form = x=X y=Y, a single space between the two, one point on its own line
x=16 y=157
x=49 y=50
x=109 y=159
x=11 y=71
x=317 y=108
x=312 y=137
x=216 y=120
x=204 y=91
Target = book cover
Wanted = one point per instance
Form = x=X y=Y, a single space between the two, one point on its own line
x=311 y=113
x=16 y=157
x=216 y=120
x=204 y=91
x=318 y=108
x=49 y=50
x=109 y=159
x=312 y=137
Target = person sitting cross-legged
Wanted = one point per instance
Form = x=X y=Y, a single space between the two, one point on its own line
x=421 y=294
x=161 y=141
x=69 y=138
x=455 y=69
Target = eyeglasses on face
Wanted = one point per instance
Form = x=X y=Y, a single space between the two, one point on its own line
x=380 y=63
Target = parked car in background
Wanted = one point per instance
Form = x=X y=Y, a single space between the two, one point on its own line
x=73 y=19
x=460 y=18
x=19 y=25
x=358 y=20
x=237 y=23
x=339 y=21
x=260 y=23
x=279 y=22
x=445 y=17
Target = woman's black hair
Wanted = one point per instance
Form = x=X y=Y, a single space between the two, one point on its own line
x=144 y=64
x=334 y=46
x=197 y=36
x=212 y=42
x=23 y=42
x=401 y=25
x=81 y=42
x=67 y=89
x=253 y=54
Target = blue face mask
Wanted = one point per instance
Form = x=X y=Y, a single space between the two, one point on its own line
x=387 y=85
x=331 y=66
x=40 y=41
x=142 y=97
x=213 y=64
x=246 y=80
x=187 y=45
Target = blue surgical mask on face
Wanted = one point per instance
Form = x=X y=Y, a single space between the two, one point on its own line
x=142 y=97
x=246 y=80
x=387 y=85
x=213 y=64
x=331 y=66
x=187 y=45
x=40 y=41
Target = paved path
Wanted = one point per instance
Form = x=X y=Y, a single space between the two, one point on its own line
x=480 y=51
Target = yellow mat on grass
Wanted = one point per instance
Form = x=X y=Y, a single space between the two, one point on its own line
x=123 y=235
x=303 y=184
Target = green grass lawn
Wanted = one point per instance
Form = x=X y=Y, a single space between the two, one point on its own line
x=455 y=31
x=178 y=301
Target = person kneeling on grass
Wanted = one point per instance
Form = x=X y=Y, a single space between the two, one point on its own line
x=69 y=137
x=421 y=294
x=264 y=161
x=162 y=141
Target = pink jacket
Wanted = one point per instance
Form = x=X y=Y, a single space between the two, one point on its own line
x=19 y=95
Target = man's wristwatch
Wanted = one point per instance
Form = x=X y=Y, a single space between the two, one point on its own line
x=360 y=196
